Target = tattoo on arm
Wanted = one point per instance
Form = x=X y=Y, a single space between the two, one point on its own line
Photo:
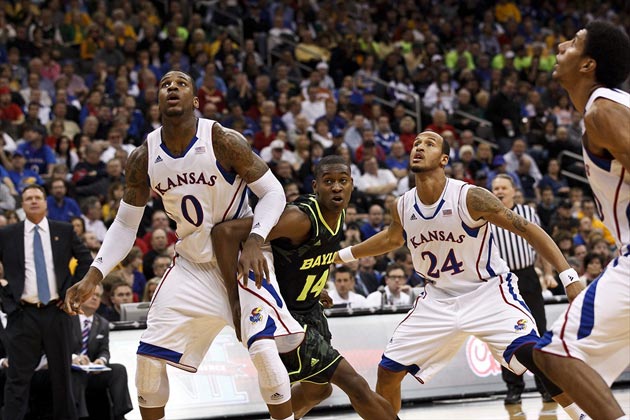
x=137 y=188
x=483 y=203
x=234 y=153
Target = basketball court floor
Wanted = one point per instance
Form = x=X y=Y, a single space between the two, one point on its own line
x=490 y=408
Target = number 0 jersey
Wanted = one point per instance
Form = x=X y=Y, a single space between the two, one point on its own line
x=447 y=246
x=196 y=191
x=302 y=270
x=610 y=181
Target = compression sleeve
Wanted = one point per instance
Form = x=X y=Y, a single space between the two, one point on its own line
x=271 y=202
x=119 y=239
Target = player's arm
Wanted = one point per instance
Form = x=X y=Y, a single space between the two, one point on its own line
x=121 y=235
x=227 y=237
x=608 y=128
x=234 y=154
x=482 y=204
x=386 y=240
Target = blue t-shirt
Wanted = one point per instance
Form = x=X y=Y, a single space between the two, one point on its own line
x=37 y=160
x=68 y=209
x=27 y=177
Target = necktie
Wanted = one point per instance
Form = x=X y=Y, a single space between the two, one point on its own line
x=43 y=290
x=85 y=334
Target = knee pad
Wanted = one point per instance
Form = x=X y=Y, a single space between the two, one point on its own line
x=151 y=382
x=273 y=378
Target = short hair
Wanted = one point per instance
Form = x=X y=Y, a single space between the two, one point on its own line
x=193 y=85
x=506 y=177
x=34 y=187
x=134 y=253
x=609 y=46
x=446 y=148
x=392 y=267
x=327 y=161
x=590 y=257
x=343 y=269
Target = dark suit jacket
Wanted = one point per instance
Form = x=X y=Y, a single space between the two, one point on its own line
x=98 y=340
x=65 y=245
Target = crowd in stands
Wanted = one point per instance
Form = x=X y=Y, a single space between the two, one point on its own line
x=304 y=79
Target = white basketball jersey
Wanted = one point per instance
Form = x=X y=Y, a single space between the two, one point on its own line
x=447 y=246
x=196 y=191
x=609 y=180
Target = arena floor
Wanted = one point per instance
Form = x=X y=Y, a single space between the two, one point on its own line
x=491 y=408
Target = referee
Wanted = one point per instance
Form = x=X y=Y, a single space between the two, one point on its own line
x=520 y=257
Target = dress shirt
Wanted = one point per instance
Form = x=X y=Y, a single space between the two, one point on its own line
x=30 y=279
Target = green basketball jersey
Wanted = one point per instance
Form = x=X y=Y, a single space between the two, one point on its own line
x=302 y=270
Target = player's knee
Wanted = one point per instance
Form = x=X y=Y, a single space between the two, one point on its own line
x=320 y=394
x=151 y=382
x=273 y=378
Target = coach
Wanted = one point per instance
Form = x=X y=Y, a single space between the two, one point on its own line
x=521 y=257
x=35 y=254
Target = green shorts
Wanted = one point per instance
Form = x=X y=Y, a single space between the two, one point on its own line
x=315 y=360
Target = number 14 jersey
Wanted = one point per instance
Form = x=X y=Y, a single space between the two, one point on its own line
x=196 y=191
x=302 y=270
x=447 y=246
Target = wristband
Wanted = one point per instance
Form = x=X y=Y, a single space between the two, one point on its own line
x=346 y=255
x=568 y=276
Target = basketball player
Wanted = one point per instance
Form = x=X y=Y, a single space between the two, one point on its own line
x=303 y=242
x=201 y=171
x=469 y=291
x=589 y=346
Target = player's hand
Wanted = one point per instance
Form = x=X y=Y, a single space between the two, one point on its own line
x=325 y=299
x=82 y=291
x=550 y=281
x=336 y=258
x=252 y=259
x=573 y=290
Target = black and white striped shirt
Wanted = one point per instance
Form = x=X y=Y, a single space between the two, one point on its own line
x=515 y=250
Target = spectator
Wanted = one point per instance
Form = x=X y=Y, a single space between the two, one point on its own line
x=129 y=272
x=439 y=123
x=159 y=220
x=91 y=242
x=149 y=289
x=20 y=176
x=588 y=211
x=94 y=348
x=593 y=267
x=393 y=295
x=120 y=294
x=514 y=156
x=343 y=294
x=546 y=208
x=563 y=220
x=555 y=180
x=505 y=114
x=376 y=182
x=159 y=243
x=398 y=160
x=60 y=206
x=40 y=157
x=160 y=264
x=115 y=137
x=89 y=172
x=93 y=217
x=384 y=135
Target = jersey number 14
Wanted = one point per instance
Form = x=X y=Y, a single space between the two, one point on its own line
x=310 y=288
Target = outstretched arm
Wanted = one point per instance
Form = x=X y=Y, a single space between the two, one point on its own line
x=482 y=203
x=234 y=154
x=381 y=243
x=122 y=233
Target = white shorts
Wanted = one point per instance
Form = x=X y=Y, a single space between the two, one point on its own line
x=595 y=327
x=438 y=325
x=190 y=307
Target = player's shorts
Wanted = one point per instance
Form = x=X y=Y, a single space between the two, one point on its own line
x=438 y=325
x=190 y=307
x=315 y=360
x=595 y=328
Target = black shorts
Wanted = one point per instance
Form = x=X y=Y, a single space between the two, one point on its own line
x=315 y=360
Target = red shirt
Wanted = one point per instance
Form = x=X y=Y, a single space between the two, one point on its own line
x=11 y=112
